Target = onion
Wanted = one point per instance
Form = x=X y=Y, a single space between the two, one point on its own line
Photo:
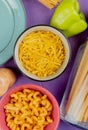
x=7 y=79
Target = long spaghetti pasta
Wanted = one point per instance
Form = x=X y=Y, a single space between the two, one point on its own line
x=41 y=53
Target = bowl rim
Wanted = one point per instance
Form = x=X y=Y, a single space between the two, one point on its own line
x=42 y=25
x=50 y=96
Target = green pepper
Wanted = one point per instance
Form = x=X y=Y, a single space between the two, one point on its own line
x=68 y=18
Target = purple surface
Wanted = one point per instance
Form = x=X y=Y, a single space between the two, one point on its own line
x=36 y=13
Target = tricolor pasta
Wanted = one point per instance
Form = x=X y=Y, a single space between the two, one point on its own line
x=41 y=53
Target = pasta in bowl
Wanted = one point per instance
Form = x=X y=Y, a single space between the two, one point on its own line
x=42 y=53
x=29 y=107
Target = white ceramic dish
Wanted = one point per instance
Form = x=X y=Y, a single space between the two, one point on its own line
x=12 y=23
x=46 y=28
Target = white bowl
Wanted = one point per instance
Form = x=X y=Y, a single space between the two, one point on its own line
x=45 y=28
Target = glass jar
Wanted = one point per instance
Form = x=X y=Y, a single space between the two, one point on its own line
x=74 y=104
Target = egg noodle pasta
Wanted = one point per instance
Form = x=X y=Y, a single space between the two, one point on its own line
x=28 y=110
x=41 y=53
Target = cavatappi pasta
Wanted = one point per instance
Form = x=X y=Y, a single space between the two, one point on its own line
x=28 y=110
x=41 y=53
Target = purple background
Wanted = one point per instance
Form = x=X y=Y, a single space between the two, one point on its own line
x=36 y=14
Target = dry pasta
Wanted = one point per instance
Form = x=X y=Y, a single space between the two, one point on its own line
x=49 y=3
x=41 y=53
x=28 y=110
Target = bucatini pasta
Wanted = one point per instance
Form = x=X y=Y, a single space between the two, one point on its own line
x=75 y=108
x=49 y=3
x=28 y=110
x=41 y=53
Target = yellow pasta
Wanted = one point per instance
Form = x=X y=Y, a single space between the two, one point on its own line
x=41 y=53
x=49 y=3
x=31 y=110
